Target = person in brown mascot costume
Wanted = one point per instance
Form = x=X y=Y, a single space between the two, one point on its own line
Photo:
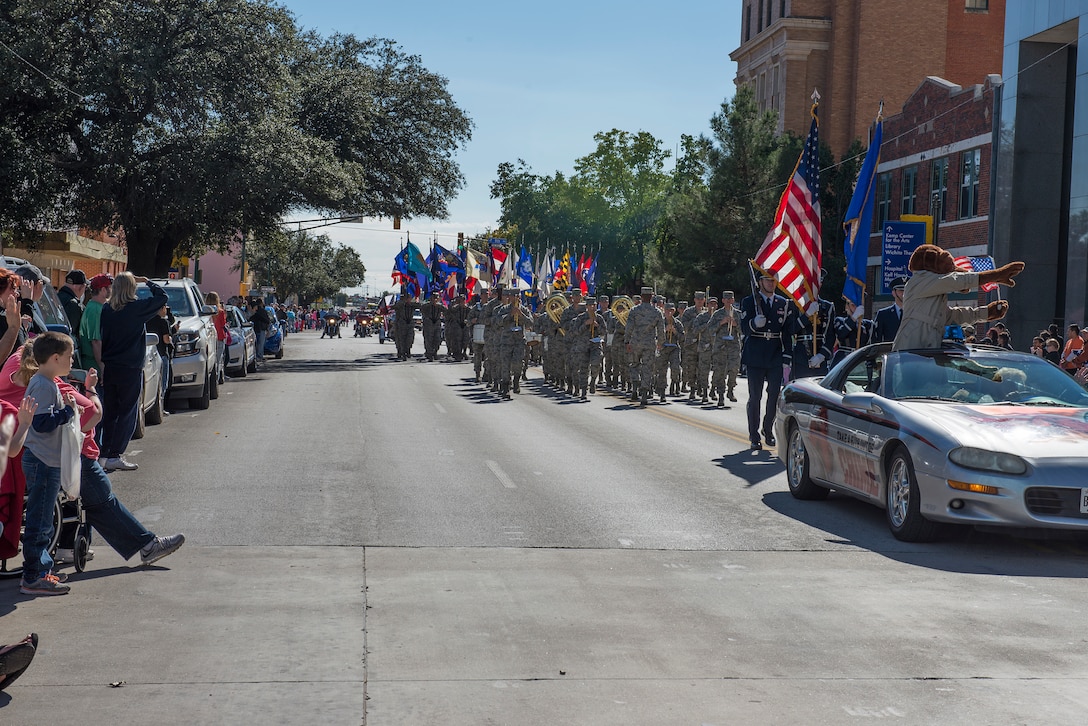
x=926 y=311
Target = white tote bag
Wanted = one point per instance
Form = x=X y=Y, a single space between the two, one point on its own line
x=71 y=470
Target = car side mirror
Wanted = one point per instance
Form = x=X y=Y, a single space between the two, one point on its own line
x=207 y=310
x=861 y=402
x=247 y=324
x=151 y=339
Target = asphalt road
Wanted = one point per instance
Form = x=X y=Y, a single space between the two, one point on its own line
x=384 y=543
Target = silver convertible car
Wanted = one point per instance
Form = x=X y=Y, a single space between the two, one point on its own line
x=969 y=435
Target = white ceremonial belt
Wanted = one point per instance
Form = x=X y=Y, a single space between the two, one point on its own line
x=768 y=336
x=805 y=338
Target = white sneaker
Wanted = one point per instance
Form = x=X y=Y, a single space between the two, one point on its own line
x=65 y=556
x=119 y=463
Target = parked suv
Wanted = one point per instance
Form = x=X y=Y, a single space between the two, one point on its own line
x=195 y=374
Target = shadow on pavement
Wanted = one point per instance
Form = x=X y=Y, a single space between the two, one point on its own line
x=753 y=466
x=1023 y=553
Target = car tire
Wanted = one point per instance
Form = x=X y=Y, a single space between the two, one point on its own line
x=902 y=501
x=797 y=468
x=204 y=401
x=252 y=367
x=279 y=353
x=138 y=432
x=154 y=414
x=244 y=370
x=213 y=389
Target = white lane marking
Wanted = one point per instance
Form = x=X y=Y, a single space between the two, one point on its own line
x=500 y=475
x=626 y=543
x=439 y=407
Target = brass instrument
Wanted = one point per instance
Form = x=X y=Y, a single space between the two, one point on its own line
x=621 y=306
x=555 y=305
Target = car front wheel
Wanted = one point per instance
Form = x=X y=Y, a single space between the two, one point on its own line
x=903 y=502
x=797 y=468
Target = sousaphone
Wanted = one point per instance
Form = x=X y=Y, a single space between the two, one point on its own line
x=621 y=306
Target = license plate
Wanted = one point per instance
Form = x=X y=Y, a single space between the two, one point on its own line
x=1084 y=500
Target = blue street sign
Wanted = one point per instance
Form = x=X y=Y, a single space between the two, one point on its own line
x=900 y=241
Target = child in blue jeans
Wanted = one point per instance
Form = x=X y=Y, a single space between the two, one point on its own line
x=41 y=461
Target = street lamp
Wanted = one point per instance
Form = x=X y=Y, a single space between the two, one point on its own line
x=935 y=210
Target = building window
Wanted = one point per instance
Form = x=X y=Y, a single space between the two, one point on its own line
x=883 y=201
x=761 y=92
x=782 y=8
x=769 y=4
x=939 y=184
x=977 y=6
x=747 y=23
x=760 y=17
x=774 y=89
x=910 y=190
x=969 y=181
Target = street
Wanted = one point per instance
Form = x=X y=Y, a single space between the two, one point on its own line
x=385 y=543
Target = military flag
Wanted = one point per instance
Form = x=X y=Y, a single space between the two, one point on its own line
x=562 y=273
x=524 y=270
x=859 y=219
x=792 y=250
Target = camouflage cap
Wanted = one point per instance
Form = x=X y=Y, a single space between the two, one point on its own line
x=590 y=300
x=727 y=295
x=670 y=306
x=700 y=295
x=647 y=291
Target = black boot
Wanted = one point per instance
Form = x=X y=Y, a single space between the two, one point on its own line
x=662 y=397
x=583 y=395
x=721 y=400
x=645 y=398
x=691 y=394
x=592 y=387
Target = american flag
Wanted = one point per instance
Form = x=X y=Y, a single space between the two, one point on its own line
x=792 y=250
x=978 y=264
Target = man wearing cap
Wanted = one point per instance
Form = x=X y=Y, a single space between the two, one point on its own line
x=765 y=320
x=585 y=337
x=71 y=297
x=433 y=314
x=808 y=358
x=404 y=332
x=606 y=349
x=90 y=325
x=643 y=338
x=705 y=335
x=511 y=322
x=724 y=325
x=689 y=355
x=31 y=292
x=476 y=316
x=456 y=325
x=616 y=371
x=491 y=336
x=668 y=363
x=567 y=363
x=887 y=319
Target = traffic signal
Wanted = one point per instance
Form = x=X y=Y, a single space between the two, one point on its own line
x=396 y=222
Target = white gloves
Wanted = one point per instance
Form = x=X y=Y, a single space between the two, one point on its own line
x=759 y=321
x=785 y=373
x=858 y=313
x=816 y=361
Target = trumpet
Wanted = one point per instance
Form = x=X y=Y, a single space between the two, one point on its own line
x=621 y=307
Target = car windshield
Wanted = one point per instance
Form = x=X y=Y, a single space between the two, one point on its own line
x=981 y=378
x=179 y=300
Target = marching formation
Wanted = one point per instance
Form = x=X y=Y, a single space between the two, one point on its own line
x=645 y=348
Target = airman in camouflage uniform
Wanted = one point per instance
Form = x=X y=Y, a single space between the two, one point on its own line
x=491 y=338
x=509 y=325
x=606 y=349
x=724 y=325
x=433 y=314
x=573 y=310
x=669 y=360
x=689 y=355
x=476 y=316
x=585 y=336
x=404 y=331
x=704 y=350
x=456 y=327
x=619 y=378
x=645 y=332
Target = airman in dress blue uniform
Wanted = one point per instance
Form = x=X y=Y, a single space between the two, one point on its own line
x=766 y=322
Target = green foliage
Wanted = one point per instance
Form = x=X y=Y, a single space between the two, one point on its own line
x=184 y=123
x=304 y=265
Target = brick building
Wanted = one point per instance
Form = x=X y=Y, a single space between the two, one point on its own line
x=858 y=53
x=936 y=160
x=56 y=252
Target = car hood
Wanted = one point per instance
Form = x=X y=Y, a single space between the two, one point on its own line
x=1028 y=431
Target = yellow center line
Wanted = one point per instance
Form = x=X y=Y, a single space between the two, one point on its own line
x=710 y=428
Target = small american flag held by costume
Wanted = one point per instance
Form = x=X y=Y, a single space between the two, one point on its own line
x=979 y=264
x=792 y=250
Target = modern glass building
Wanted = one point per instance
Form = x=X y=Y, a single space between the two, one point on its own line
x=1040 y=184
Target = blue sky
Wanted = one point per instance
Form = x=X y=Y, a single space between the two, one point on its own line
x=539 y=80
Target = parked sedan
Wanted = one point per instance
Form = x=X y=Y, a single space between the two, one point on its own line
x=241 y=345
x=972 y=435
x=152 y=396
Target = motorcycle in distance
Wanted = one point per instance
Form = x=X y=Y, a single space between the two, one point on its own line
x=332 y=326
x=362 y=326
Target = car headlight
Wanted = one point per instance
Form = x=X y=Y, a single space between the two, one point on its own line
x=186 y=344
x=983 y=460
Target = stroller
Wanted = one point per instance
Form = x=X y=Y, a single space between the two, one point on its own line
x=70 y=531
